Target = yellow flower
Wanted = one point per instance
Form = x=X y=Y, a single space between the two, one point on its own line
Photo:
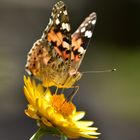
x=54 y=111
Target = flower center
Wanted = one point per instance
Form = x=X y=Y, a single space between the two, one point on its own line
x=62 y=106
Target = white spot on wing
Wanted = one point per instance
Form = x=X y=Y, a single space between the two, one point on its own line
x=63 y=26
x=88 y=34
x=66 y=26
x=66 y=45
x=83 y=29
x=89 y=21
x=57 y=21
x=81 y=50
x=65 y=12
x=93 y=22
x=86 y=24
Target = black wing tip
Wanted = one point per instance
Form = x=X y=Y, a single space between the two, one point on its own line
x=93 y=16
x=58 y=7
x=60 y=4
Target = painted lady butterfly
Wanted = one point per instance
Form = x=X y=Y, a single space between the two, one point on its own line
x=55 y=58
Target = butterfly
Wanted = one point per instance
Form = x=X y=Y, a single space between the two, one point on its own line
x=56 y=57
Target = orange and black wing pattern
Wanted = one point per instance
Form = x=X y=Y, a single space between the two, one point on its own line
x=81 y=38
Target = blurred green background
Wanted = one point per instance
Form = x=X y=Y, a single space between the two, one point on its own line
x=112 y=100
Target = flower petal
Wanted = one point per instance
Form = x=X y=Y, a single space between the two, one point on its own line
x=84 y=123
x=78 y=115
x=31 y=112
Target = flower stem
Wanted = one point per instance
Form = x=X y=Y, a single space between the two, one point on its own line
x=38 y=134
x=44 y=131
x=63 y=137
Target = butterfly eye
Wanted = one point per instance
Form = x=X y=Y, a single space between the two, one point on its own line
x=74 y=75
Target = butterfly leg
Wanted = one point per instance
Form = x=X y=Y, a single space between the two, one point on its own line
x=62 y=91
x=75 y=90
x=56 y=90
x=71 y=96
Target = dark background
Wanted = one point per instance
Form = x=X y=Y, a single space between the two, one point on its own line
x=111 y=100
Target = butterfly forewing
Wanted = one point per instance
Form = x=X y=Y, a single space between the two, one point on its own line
x=58 y=31
x=49 y=58
x=81 y=38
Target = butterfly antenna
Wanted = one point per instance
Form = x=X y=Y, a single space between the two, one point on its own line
x=102 y=71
